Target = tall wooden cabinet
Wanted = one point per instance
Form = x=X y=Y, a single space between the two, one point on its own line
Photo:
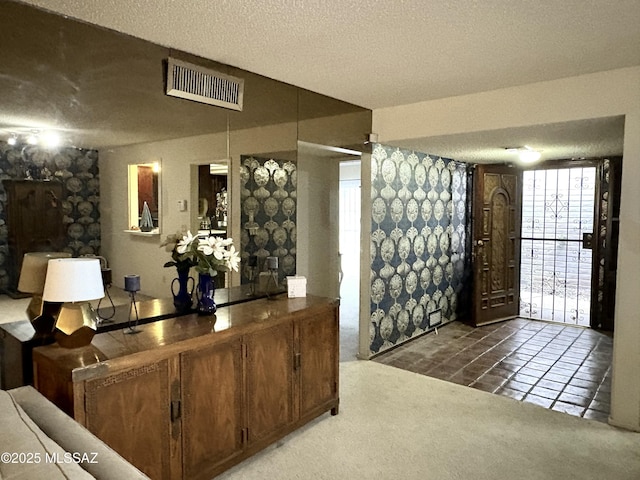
x=188 y=398
x=34 y=220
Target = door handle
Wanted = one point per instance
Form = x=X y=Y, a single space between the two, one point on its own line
x=296 y=361
x=175 y=410
x=478 y=252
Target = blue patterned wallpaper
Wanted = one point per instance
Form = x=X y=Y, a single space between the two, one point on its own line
x=77 y=170
x=268 y=217
x=418 y=243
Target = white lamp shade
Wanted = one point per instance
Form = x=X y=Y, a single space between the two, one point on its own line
x=73 y=280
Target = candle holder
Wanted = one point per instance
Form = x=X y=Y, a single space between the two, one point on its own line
x=132 y=285
x=272 y=266
x=251 y=274
x=106 y=282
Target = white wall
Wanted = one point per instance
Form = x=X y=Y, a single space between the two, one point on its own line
x=366 y=333
x=318 y=224
x=603 y=94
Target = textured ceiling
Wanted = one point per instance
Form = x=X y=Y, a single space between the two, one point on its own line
x=386 y=53
x=580 y=139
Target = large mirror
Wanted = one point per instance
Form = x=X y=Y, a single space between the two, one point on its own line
x=103 y=93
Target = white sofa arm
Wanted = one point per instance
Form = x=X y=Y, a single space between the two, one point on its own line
x=73 y=437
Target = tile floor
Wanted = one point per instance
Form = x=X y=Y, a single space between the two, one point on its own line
x=561 y=367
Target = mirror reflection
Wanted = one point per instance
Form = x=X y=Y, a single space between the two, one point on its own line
x=213 y=198
x=210 y=198
x=111 y=111
x=144 y=198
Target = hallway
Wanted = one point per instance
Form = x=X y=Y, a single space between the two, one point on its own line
x=560 y=367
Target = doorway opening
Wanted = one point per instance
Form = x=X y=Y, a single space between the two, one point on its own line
x=349 y=212
x=558 y=211
x=209 y=200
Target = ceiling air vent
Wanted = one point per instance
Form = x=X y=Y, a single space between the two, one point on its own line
x=192 y=82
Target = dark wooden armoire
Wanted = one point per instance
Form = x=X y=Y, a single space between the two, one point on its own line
x=34 y=221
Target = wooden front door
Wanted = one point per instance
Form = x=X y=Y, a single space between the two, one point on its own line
x=496 y=243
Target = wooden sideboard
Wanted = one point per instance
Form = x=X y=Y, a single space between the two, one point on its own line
x=18 y=339
x=189 y=397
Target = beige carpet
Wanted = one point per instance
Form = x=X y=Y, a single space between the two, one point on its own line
x=395 y=424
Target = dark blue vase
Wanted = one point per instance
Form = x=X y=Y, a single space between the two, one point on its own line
x=183 y=298
x=206 y=292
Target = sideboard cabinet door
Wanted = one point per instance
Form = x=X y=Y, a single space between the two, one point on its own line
x=130 y=412
x=318 y=364
x=269 y=377
x=211 y=381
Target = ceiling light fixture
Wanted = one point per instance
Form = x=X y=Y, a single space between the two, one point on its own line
x=32 y=139
x=529 y=156
x=50 y=139
x=525 y=154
